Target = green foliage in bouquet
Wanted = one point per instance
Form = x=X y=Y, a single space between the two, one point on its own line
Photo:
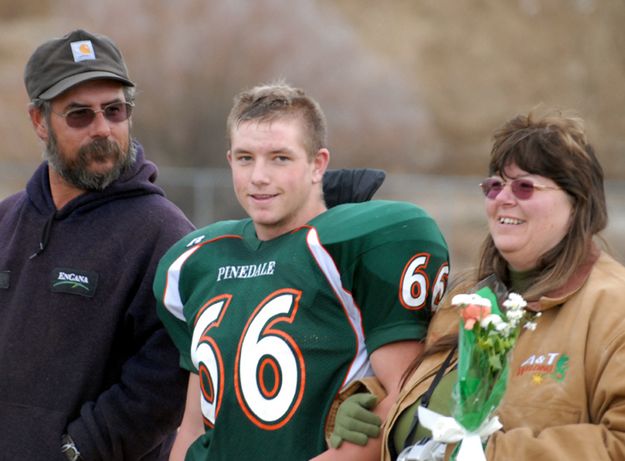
x=482 y=371
x=487 y=335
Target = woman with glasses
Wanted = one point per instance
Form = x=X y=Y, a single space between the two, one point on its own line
x=565 y=398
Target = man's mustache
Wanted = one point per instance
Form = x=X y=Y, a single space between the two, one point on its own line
x=100 y=150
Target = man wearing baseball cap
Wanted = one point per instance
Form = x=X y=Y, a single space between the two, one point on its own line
x=87 y=370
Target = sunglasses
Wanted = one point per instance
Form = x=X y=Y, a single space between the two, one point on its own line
x=81 y=117
x=523 y=189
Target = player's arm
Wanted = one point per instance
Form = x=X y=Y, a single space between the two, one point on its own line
x=192 y=425
x=389 y=363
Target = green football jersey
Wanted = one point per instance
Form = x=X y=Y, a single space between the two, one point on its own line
x=275 y=329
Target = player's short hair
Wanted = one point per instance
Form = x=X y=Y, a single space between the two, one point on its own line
x=265 y=103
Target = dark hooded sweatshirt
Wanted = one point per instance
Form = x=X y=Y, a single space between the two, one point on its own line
x=81 y=348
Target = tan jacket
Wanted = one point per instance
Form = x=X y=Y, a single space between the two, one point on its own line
x=565 y=398
x=566 y=392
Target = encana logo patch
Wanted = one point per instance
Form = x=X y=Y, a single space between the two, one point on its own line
x=73 y=281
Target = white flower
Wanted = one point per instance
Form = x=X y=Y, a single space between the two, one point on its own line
x=515 y=309
x=515 y=314
x=515 y=301
x=532 y=324
x=467 y=299
x=493 y=319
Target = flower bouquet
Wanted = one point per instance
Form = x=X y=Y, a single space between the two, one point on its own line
x=487 y=335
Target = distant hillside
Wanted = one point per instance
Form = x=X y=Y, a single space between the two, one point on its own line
x=409 y=86
x=414 y=87
x=475 y=63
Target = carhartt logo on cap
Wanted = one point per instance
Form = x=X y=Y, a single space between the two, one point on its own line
x=82 y=50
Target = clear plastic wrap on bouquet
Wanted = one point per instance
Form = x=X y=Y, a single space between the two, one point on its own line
x=487 y=335
x=483 y=363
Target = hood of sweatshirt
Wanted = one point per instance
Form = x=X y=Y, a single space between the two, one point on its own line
x=137 y=180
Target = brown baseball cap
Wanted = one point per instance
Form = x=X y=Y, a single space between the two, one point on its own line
x=61 y=63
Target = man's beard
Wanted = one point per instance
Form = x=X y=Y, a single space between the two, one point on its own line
x=76 y=171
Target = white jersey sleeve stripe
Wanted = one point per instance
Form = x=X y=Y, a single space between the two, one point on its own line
x=361 y=366
x=171 y=297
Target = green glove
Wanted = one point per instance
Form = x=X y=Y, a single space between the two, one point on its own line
x=354 y=422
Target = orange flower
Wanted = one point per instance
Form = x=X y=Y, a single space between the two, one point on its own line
x=474 y=308
x=474 y=313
